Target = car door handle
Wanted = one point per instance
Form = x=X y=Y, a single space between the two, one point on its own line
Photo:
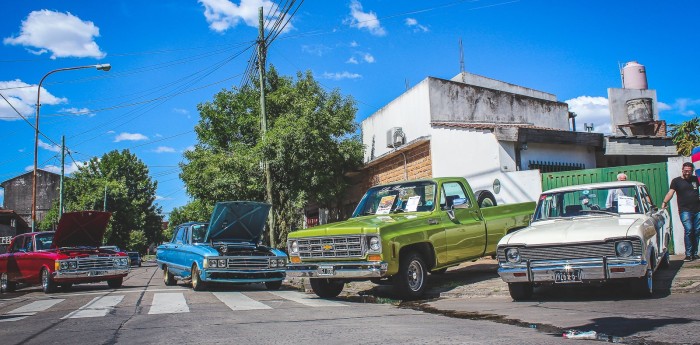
x=476 y=214
x=433 y=221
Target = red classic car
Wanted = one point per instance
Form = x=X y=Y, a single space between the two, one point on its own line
x=71 y=255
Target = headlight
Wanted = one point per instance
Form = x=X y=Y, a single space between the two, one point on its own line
x=72 y=265
x=281 y=262
x=63 y=265
x=125 y=261
x=222 y=263
x=294 y=247
x=623 y=249
x=375 y=244
x=513 y=255
x=273 y=263
x=212 y=263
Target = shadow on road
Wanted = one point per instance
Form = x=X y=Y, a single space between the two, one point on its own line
x=625 y=327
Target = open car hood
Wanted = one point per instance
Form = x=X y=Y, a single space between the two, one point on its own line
x=242 y=221
x=81 y=229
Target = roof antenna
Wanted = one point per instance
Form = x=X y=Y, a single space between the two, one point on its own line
x=622 y=75
x=461 y=60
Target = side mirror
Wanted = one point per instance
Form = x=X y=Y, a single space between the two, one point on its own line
x=451 y=214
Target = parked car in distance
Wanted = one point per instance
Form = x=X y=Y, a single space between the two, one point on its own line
x=134 y=258
x=70 y=255
x=225 y=250
x=112 y=248
x=401 y=231
x=590 y=233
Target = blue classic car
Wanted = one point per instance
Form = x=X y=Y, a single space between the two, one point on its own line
x=225 y=250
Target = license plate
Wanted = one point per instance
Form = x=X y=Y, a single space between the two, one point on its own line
x=325 y=270
x=570 y=276
x=97 y=273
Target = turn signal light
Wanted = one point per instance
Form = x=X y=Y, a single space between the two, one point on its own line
x=519 y=274
x=295 y=259
x=374 y=257
x=617 y=270
x=57 y=265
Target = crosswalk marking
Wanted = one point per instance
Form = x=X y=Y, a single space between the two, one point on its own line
x=239 y=301
x=29 y=310
x=99 y=306
x=305 y=299
x=168 y=303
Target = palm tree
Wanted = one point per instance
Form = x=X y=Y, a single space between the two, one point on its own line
x=686 y=136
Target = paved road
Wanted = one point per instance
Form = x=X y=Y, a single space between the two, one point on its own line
x=144 y=311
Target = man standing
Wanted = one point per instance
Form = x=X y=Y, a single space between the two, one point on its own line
x=686 y=186
x=611 y=201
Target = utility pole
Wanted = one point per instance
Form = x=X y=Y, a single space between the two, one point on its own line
x=104 y=206
x=262 y=52
x=63 y=164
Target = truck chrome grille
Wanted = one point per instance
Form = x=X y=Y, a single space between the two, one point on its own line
x=95 y=263
x=570 y=251
x=332 y=247
x=248 y=263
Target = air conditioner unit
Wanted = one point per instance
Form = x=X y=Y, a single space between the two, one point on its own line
x=395 y=137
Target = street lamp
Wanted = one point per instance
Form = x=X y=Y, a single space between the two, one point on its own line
x=101 y=67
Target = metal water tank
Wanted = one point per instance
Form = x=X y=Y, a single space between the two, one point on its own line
x=639 y=110
x=634 y=76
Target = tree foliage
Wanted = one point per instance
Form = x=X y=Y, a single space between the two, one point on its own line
x=119 y=181
x=195 y=211
x=311 y=142
x=686 y=136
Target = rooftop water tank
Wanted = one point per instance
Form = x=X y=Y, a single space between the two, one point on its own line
x=634 y=76
x=639 y=110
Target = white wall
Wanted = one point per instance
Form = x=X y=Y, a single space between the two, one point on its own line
x=410 y=111
x=557 y=153
x=677 y=232
x=475 y=155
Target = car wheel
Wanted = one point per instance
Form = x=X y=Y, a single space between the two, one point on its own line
x=439 y=272
x=274 y=285
x=520 y=291
x=484 y=198
x=327 y=288
x=115 y=283
x=410 y=281
x=6 y=285
x=197 y=283
x=168 y=278
x=644 y=286
x=47 y=283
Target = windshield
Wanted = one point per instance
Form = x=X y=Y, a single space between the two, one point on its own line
x=43 y=241
x=584 y=202
x=198 y=232
x=403 y=197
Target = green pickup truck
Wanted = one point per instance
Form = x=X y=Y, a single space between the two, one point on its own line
x=401 y=231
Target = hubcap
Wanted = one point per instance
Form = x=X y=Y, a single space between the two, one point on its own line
x=3 y=282
x=45 y=279
x=650 y=280
x=415 y=276
x=195 y=277
x=165 y=275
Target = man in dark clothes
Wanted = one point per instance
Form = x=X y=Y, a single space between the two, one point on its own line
x=686 y=186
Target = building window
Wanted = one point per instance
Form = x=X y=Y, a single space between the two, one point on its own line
x=547 y=167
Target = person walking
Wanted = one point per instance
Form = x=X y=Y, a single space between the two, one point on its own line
x=688 y=199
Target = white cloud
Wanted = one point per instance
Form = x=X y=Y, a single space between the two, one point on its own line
x=181 y=111
x=52 y=148
x=124 y=136
x=62 y=34
x=68 y=168
x=368 y=58
x=341 y=75
x=591 y=110
x=663 y=106
x=164 y=149
x=410 y=22
x=158 y=135
x=111 y=132
x=354 y=44
x=315 y=49
x=189 y=148
x=22 y=96
x=158 y=197
x=76 y=111
x=684 y=105
x=21 y=150
x=224 y=14
x=364 y=20
x=352 y=60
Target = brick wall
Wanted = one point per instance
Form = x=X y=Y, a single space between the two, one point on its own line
x=418 y=164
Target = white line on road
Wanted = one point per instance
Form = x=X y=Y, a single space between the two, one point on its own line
x=168 y=303
x=30 y=309
x=306 y=299
x=99 y=306
x=239 y=301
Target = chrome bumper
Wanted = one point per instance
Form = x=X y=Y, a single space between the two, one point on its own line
x=591 y=270
x=353 y=269
x=96 y=273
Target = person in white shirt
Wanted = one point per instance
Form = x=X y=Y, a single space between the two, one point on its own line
x=614 y=194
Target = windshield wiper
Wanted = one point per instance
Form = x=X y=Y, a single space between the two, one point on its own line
x=601 y=211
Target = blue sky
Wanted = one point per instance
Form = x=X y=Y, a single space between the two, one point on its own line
x=167 y=56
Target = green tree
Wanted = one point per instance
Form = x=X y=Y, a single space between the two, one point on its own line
x=686 y=136
x=137 y=241
x=312 y=141
x=195 y=211
x=119 y=181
